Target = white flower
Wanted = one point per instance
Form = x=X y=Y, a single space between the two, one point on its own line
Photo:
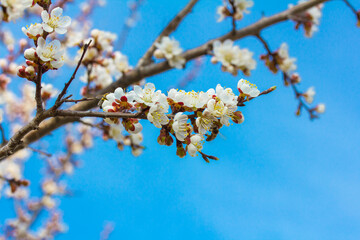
x=116 y=132
x=232 y=57
x=223 y=12
x=226 y=95
x=104 y=39
x=248 y=88
x=34 y=31
x=195 y=145
x=177 y=62
x=219 y=110
x=286 y=64
x=100 y=75
x=157 y=115
x=48 y=202
x=50 y=52
x=48 y=91
x=309 y=95
x=196 y=99
x=149 y=96
x=121 y=62
x=170 y=49
x=180 y=126
x=50 y=187
x=242 y=7
x=15 y=8
x=320 y=108
x=55 y=21
x=310 y=18
x=205 y=122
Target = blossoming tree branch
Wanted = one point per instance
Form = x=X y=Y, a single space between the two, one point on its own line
x=115 y=99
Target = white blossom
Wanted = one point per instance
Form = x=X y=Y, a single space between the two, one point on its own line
x=170 y=49
x=309 y=95
x=226 y=95
x=219 y=110
x=242 y=7
x=205 y=122
x=116 y=132
x=48 y=91
x=232 y=57
x=104 y=40
x=50 y=52
x=195 y=145
x=34 y=31
x=157 y=115
x=180 y=126
x=320 y=108
x=149 y=96
x=55 y=21
x=247 y=88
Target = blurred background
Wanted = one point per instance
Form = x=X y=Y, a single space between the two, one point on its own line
x=279 y=176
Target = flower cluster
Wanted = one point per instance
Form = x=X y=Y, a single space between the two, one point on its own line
x=195 y=116
x=232 y=58
x=11 y=10
x=103 y=64
x=235 y=9
x=44 y=56
x=170 y=49
x=310 y=19
x=281 y=59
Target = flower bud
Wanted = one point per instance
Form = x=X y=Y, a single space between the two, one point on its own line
x=320 y=108
x=159 y=54
x=3 y=63
x=20 y=71
x=30 y=54
x=180 y=151
x=30 y=70
x=23 y=43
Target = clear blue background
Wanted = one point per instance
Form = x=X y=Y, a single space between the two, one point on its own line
x=278 y=177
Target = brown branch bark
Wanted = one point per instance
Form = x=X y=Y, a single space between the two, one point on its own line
x=38 y=99
x=141 y=72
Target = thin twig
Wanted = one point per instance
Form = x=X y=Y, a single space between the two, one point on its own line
x=58 y=101
x=353 y=9
x=39 y=104
x=40 y=151
x=3 y=137
x=287 y=79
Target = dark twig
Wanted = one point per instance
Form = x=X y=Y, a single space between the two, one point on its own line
x=3 y=137
x=232 y=4
x=39 y=104
x=40 y=152
x=287 y=79
x=352 y=8
x=58 y=101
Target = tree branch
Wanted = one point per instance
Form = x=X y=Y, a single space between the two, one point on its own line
x=59 y=99
x=38 y=99
x=141 y=72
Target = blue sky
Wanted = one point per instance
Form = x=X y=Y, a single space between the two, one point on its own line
x=278 y=177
